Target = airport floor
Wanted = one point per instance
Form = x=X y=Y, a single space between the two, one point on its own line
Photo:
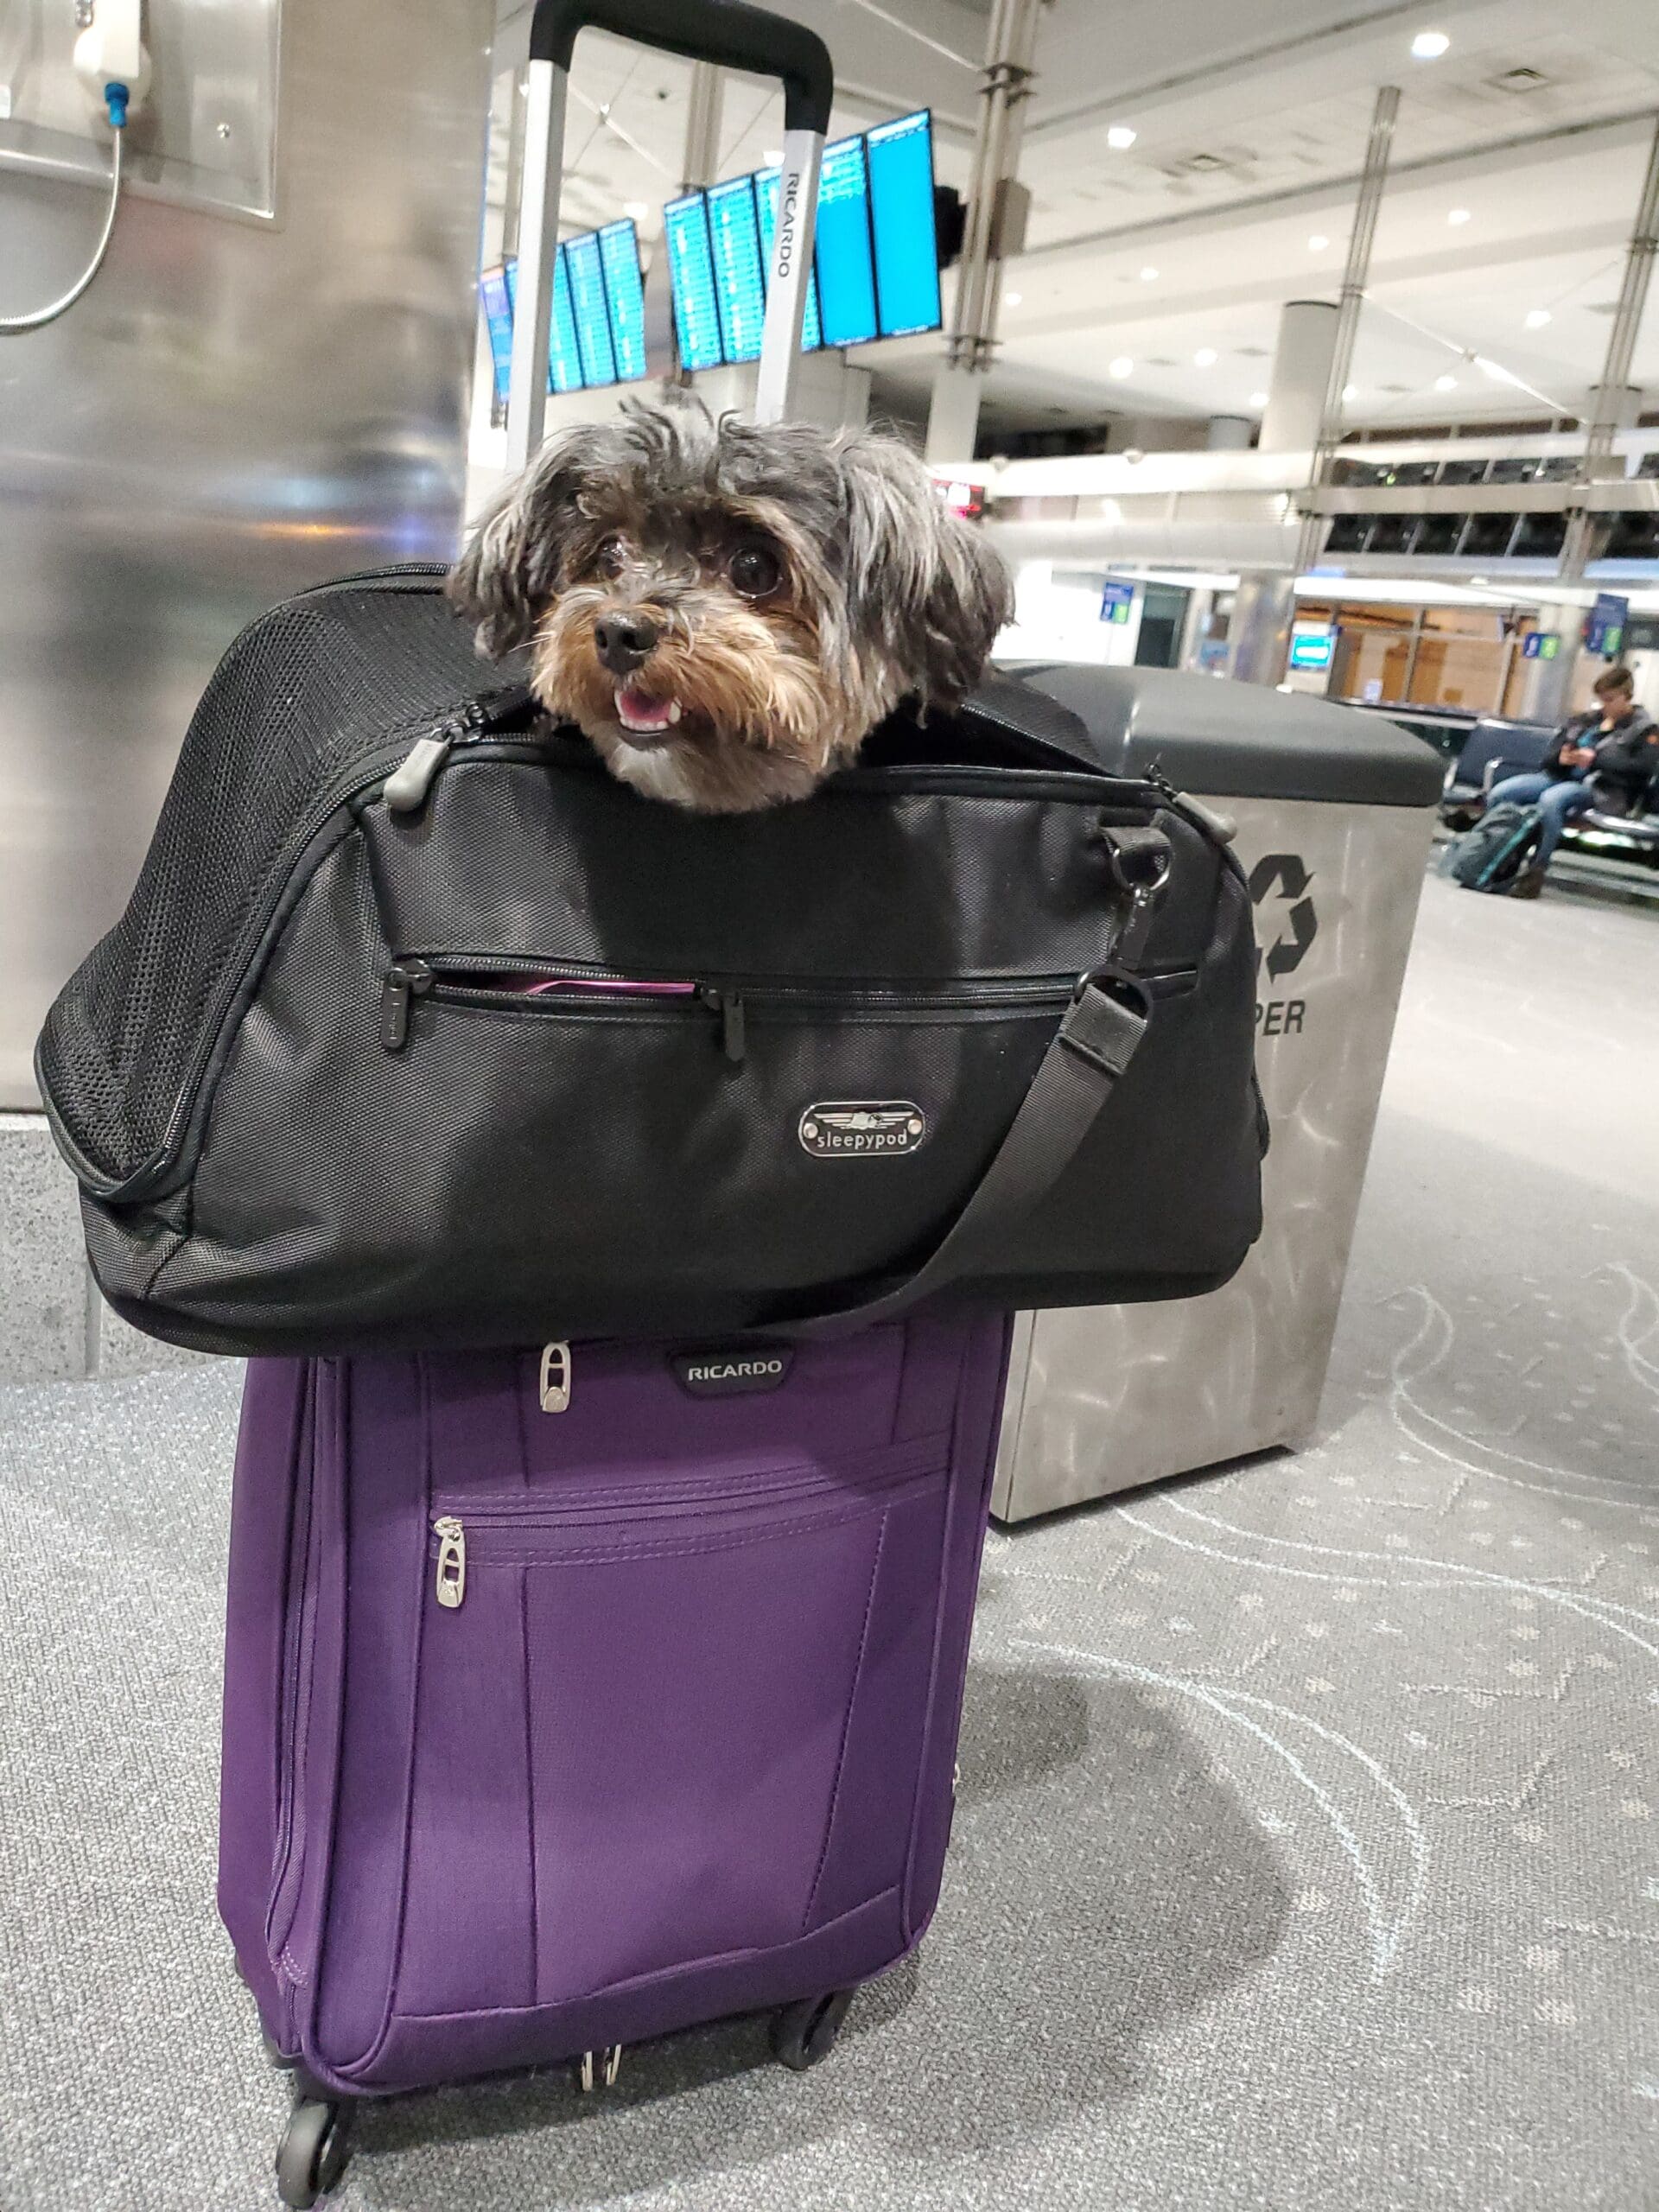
x=1308 y=1848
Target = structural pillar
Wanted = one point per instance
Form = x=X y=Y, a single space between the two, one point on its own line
x=702 y=114
x=1228 y=434
x=1307 y=346
x=1259 y=636
x=953 y=413
x=1612 y=394
x=1005 y=90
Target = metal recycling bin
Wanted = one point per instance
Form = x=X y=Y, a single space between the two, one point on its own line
x=1335 y=811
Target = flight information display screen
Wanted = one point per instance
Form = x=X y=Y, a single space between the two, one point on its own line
x=902 y=222
x=845 y=263
x=563 y=350
x=875 y=270
x=691 y=279
x=596 y=331
x=740 y=287
x=592 y=313
x=619 y=253
x=497 y=316
x=765 y=194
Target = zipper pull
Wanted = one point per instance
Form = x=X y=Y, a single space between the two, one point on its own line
x=555 y=1380
x=451 y=1561
x=729 y=1005
x=406 y=980
x=406 y=788
x=1222 y=827
x=410 y=785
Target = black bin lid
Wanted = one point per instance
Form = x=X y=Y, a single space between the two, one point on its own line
x=1226 y=739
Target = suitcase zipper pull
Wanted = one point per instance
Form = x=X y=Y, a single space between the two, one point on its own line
x=729 y=1005
x=406 y=980
x=451 y=1561
x=555 y=1383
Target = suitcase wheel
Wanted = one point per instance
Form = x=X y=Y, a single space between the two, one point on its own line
x=313 y=2153
x=802 y=2034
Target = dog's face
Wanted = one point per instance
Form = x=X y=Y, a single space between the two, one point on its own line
x=727 y=610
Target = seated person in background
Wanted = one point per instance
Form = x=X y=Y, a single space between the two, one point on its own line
x=1604 y=759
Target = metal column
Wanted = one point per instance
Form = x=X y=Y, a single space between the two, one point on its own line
x=1004 y=91
x=1579 y=548
x=702 y=126
x=1259 y=639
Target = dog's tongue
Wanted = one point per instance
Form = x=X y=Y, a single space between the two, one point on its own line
x=639 y=712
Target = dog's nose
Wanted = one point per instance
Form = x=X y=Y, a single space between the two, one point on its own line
x=624 y=639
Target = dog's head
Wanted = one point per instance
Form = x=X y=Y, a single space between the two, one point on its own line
x=727 y=610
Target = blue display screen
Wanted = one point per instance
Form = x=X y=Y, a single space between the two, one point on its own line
x=765 y=194
x=563 y=362
x=901 y=217
x=846 y=269
x=691 y=276
x=581 y=256
x=740 y=287
x=498 y=314
x=564 y=354
x=619 y=253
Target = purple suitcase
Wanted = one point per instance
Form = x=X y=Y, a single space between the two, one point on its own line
x=576 y=1698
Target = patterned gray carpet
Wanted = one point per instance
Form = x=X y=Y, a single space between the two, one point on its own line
x=1309 y=1854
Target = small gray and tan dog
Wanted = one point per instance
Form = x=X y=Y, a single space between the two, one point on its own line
x=727 y=610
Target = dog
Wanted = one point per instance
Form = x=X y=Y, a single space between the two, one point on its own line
x=726 y=609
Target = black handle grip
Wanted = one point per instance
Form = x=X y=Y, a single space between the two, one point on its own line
x=728 y=33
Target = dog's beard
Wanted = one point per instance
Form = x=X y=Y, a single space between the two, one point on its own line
x=760 y=717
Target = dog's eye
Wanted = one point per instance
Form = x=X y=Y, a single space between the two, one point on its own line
x=612 y=558
x=755 y=571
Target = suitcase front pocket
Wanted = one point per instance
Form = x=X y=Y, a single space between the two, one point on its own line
x=655 y=1733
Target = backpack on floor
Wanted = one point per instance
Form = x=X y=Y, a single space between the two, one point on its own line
x=1489 y=856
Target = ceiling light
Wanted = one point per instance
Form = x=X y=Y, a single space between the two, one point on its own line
x=1148 y=275
x=1122 y=367
x=1258 y=399
x=1012 y=299
x=635 y=210
x=1318 y=243
x=1445 y=383
x=1350 y=391
x=1458 y=215
x=1429 y=45
x=1537 y=318
x=773 y=157
x=1205 y=358
x=1120 y=137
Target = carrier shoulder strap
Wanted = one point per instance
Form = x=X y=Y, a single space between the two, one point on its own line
x=1072 y=1088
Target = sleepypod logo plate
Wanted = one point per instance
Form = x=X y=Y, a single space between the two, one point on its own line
x=862 y=1128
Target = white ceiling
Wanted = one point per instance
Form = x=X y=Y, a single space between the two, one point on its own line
x=1273 y=99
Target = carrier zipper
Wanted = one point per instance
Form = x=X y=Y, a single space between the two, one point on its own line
x=410 y=785
x=729 y=1006
x=412 y=977
x=406 y=980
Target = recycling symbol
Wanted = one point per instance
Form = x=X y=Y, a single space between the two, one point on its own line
x=1286 y=871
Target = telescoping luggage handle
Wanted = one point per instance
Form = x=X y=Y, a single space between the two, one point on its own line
x=734 y=35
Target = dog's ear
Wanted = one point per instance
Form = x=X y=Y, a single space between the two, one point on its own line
x=922 y=580
x=510 y=571
x=971 y=598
